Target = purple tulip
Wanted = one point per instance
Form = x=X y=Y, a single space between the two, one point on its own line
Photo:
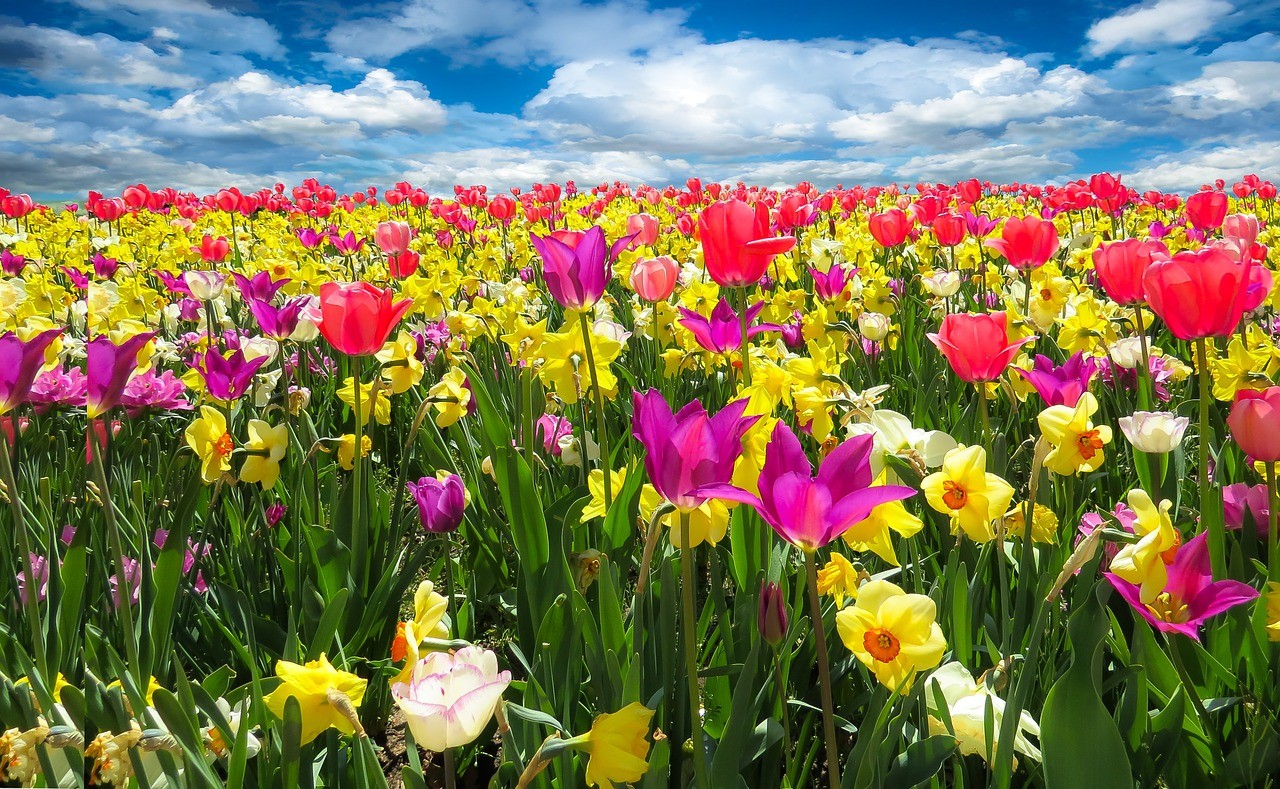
x=1190 y=595
x=20 y=362
x=228 y=377
x=12 y=264
x=1061 y=385
x=807 y=511
x=772 y=622
x=1240 y=498
x=688 y=450
x=576 y=266
x=440 y=502
x=309 y=237
x=830 y=285
x=109 y=368
x=260 y=286
x=722 y=332
x=275 y=513
x=105 y=267
x=346 y=244
x=978 y=225
x=174 y=284
x=277 y=322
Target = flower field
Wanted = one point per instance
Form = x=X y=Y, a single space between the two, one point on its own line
x=706 y=485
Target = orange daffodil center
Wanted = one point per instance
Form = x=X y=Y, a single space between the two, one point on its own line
x=1077 y=442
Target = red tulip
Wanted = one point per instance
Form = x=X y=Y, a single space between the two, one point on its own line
x=356 y=317
x=654 y=279
x=403 y=264
x=502 y=208
x=737 y=243
x=949 y=229
x=1027 y=242
x=1207 y=209
x=1255 y=423
x=1199 y=294
x=890 y=228
x=977 y=346
x=1121 y=264
x=213 y=250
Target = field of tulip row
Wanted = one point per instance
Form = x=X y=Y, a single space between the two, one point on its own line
x=945 y=485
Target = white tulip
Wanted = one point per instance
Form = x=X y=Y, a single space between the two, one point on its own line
x=1127 y=352
x=873 y=326
x=450 y=699
x=1154 y=432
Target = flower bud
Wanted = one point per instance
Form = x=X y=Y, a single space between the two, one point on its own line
x=773 y=622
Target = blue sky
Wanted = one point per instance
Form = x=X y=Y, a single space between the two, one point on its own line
x=200 y=94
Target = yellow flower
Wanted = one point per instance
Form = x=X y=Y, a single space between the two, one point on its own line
x=617 y=746
x=400 y=366
x=565 y=368
x=347 y=450
x=1077 y=443
x=1145 y=562
x=595 y=484
x=893 y=633
x=1273 y=610
x=965 y=490
x=839 y=578
x=1044 y=523
x=451 y=397
x=152 y=687
x=266 y=446
x=872 y=534
x=1088 y=329
x=1239 y=369
x=373 y=400
x=708 y=523
x=208 y=436
x=429 y=609
x=812 y=410
x=327 y=697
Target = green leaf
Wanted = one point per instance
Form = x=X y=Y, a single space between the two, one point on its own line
x=920 y=761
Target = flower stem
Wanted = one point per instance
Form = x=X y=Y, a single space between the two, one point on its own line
x=746 y=341
x=1217 y=538
x=123 y=585
x=1273 y=515
x=450 y=771
x=691 y=654
x=982 y=409
x=1146 y=391
x=824 y=670
x=32 y=601
x=606 y=456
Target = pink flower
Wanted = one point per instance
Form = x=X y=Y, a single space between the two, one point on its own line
x=1027 y=242
x=450 y=698
x=977 y=346
x=393 y=237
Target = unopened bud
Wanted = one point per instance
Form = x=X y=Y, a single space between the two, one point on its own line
x=773 y=622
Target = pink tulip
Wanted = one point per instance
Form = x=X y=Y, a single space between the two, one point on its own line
x=1255 y=423
x=393 y=237
x=1200 y=294
x=654 y=279
x=645 y=229
x=977 y=346
x=1027 y=242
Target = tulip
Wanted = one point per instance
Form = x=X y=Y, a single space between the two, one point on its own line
x=108 y=371
x=213 y=250
x=1239 y=499
x=1189 y=596
x=1199 y=294
x=949 y=229
x=1027 y=242
x=1206 y=210
x=644 y=229
x=576 y=266
x=356 y=317
x=890 y=228
x=1061 y=385
x=403 y=264
x=1154 y=432
x=260 y=286
x=1122 y=264
x=873 y=326
x=441 y=502
x=450 y=698
x=1255 y=423
x=737 y=244
x=20 y=362
x=654 y=279
x=393 y=237
x=502 y=208
x=977 y=346
x=278 y=323
x=205 y=285
x=830 y=285
x=772 y=622
x=943 y=284
x=228 y=377
x=722 y=332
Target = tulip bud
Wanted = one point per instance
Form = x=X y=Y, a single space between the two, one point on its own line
x=873 y=326
x=943 y=284
x=393 y=237
x=654 y=279
x=773 y=622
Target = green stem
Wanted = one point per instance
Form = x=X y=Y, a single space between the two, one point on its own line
x=32 y=602
x=1145 y=390
x=1175 y=655
x=606 y=456
x=1273 y=514
x=746 y=341
x=824 y=670
x=122 y=579
x=1217 y=537
x=691 y=655
x=982 y=409
x=450 y=772
x=781 y=685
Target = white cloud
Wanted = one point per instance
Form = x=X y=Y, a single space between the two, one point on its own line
x=197 y=24
x=1188 y=170
x=1228 y=88
x=1003 y=162
x=514 y=32
x=1149 y=26
x=500 y=168
x=59 y=55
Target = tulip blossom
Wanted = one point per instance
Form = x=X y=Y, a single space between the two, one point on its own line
x=327 y=697
x=356 y=317
x=1077 y=442
x=964 y=490
x=643 y=228
x=893 y=633
x=228 y=377
x=393 y=237
x=949 y=229
x=450 y=698
x=617 y=746
x=654 y=279
x=1199 y=294
x=213 y=250
x=722 y=332
x=108 y=371
x=1145 y=563
x=977 y=346
x=967 y=709
x=260 y=286
x=441 y=502
x=688 y=450
x=737 y=243
x=1239 y=499
x=1206 y=210
x=278 y=323
x=1120 y=266
x=1255 y=423
x=20 y=363
x=1154 y=432
x=576 y=266
x=830 y=285
x=890 y=228
x=1026 y=242
x=1189 y=595
x=810 y=511
x=1061 y=385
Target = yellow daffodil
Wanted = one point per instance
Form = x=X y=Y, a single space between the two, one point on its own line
x=966 y=491
x=708 y=523
x=451 y=397
x=429 y=609
x=894 y=634
x=327 y=697
x=872 y=533
x=1077 y=443
x=839 y=578
x=1273 y=610
x=595 y=484
x=265 y=448
x=617 y=746
x=1145 y=563
x=347 y=450
x=400 y=366
x=212 y=443
x=373 y=400
x=564 y=366
x=1044 y=523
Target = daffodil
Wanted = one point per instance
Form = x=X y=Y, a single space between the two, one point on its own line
x=347 y=449
x=209 y=438
x=451 y=397
x=839 y=578
x=1044 y=523
x=872 y=533
x=966 y=491
x=1145 y=563
x=265 y=448
x=1077 y=442
x=595 y=485
x=327 y=697
x=429 y=610
x=373 y=400
x=400 y=366
x=617 y=745
x=1273 y=611
x=709 y=522
x=894 y=634
x=565 y=369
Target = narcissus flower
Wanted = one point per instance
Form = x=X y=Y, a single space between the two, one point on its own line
x=1077 y=442
x=967 y=704
x=966 y=491
x=872 y=533
x=400 y=365
x=892 y=633
x=347 y=449
x=452 y=397
x=212 y=442
x=429 y=610
x=1145 y=563
x=327 y=697
x=450 y=698
x=265 y=448
x=373 y=400
x=839 y=578
x=617 y=746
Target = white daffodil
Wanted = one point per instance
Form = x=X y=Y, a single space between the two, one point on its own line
x=967 y=704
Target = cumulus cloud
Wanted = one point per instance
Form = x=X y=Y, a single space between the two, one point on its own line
x=197 y=24
x=61 y=56
x=1229 y=88
x=1149 y=26
x=1228 y=159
